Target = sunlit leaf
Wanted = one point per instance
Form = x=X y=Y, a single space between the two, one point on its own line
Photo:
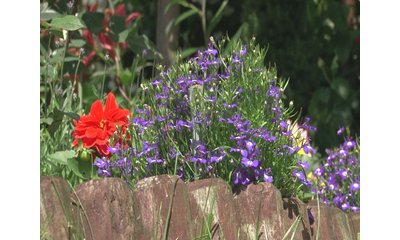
x=69 y=22
x=62 y=156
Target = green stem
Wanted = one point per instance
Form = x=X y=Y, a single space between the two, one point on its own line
x=76 y=72
x=63 y=59
x=45 y=76
x=326 y=77
x=104 y=77
x=319 y=216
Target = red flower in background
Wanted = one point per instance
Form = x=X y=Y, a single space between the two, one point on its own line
x=96 y=128
x=104 y=39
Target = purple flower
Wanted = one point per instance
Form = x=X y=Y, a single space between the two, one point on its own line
x=307 y=148
x=340 y=131
x=240 y=176
x=354 y=186
x=218 y=159
x=349 y=144
x=101 y=163
x=304 y=165
x=115 y=149
x=283 y=124
x=343 y=152
x=298 y=174
x=174 y=153
x=154 y=160
x=343 y=174
x=248 y=160
x=306 y=126
x=244 y=50
x=355 y=208
x=310 y=216
x=344 y=206
x=211 y=51
x=70 y=4
x=103 y=173
x=267 y=177
x=156 y=82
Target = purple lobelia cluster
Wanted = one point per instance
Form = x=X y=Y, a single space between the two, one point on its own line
x=218 y=114
x=338 y=176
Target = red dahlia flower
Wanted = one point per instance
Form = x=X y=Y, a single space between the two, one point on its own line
x=96 y=128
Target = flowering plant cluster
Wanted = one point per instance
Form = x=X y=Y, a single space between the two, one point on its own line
x=338 y=176
x=212 y=116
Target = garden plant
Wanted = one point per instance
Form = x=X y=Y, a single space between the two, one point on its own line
x=218 y=113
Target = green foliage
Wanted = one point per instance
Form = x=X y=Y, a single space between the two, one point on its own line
x=313 y=45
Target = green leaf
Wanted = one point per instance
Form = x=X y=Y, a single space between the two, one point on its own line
x=56 y=31
x=217 y=17
x=81 y=168
x=179 y=19
x=50 y=71
x=77 y=43
x=334 y=65
x=93 y=21
x=235 y=37
x=73 y=115
x=137 y=44
x=173 y=3
x=125 y=76
x=46 y=13
x=74 y=166
x=189 y=51
x=123 y=35
x=71 y=59
x=95 y=91
x=47 y=121
x=62 y=156
x=57 y=119
x=45 y=25
x=324 y=94
x=116 y=23
x=341 y=87
x=69 y=22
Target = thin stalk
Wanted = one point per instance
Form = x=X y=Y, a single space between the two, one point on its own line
x=76 y=72
x=258 y=217
x=319 y=216
x=170 y=207
x=104 y=78
x=45 y=76
x=65 y=52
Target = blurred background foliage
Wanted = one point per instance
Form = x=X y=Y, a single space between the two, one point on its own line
x=314 y=43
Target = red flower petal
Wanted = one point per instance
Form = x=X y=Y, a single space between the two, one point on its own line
x=97 y=111
x=93 y=8
x=132 y=17
x=89 y=38
x=91 y=132
x=87 y=59
x=106 y=42
x=110 y=103
x=120 y=10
